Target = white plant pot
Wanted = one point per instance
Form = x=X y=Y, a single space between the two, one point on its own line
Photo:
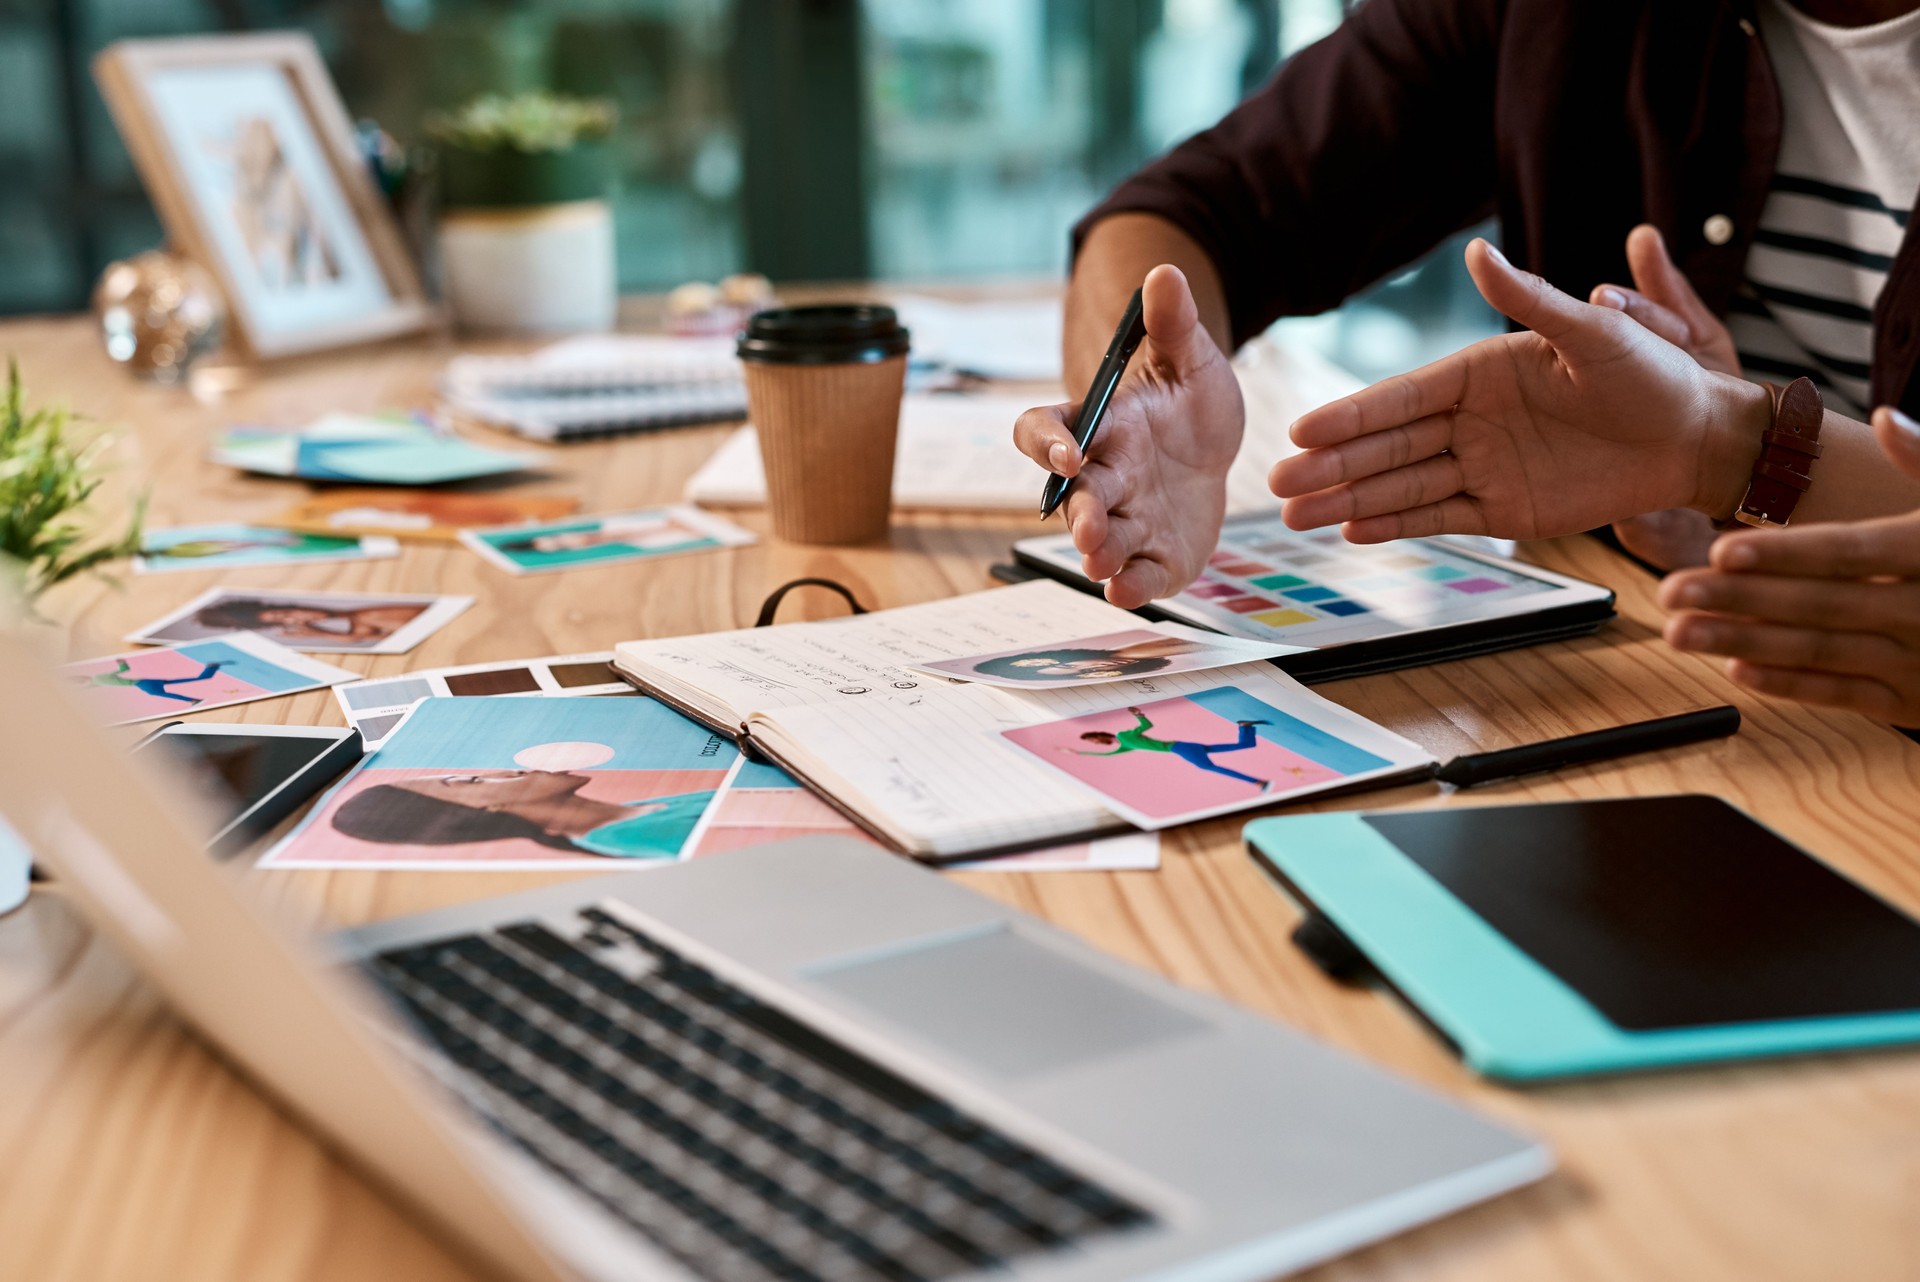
x=544 y=267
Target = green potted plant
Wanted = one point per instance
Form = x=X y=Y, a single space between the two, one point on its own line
x=46 y=481
x=526 y=228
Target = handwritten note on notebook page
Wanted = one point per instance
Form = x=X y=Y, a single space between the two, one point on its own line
x=932 y=775
x=725 y=677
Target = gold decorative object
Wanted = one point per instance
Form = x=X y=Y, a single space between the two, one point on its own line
x=158 y=313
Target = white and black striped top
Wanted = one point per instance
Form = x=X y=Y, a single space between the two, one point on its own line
x=1843 y=189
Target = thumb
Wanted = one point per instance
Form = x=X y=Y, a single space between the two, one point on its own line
x=1655 y=276
x=1173 y=320
x=1573 y=327
x=1657 y=317
x=1899 y=438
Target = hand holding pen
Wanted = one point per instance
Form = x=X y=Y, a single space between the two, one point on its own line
x=1150 y=491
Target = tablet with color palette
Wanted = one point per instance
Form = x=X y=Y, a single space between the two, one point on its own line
x=1430 y=597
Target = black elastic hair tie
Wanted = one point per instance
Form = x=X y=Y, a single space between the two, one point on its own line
x=771 y=606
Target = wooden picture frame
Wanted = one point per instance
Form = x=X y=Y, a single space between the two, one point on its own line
x=249 y=157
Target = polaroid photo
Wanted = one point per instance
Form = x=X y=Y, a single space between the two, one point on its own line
x=425 y=515
x=1215 y=751
x=376 y=707
x=144 y=685
x=1159 y=649
x=231 y=544
x=602 y=540
x=518 y=785
x=317 y=622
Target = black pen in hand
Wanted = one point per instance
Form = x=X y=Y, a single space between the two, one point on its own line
x=1133 y=328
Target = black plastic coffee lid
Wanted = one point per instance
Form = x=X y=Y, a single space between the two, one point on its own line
x=834 y=334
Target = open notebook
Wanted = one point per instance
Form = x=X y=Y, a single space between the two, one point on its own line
x=919 y=760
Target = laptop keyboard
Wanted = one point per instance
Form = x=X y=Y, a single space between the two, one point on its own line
x=734 y=1138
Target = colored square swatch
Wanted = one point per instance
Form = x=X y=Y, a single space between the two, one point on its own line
x=1248 y=604
x=1441 y=573
x=1477 y=585
x=1277 y=582
x=1281 y=618
x=1343 y=607
x=1313 y=593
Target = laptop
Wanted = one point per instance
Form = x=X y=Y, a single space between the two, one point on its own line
x=810 y=1060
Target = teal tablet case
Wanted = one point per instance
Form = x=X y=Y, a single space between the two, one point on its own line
x=1509 y=1016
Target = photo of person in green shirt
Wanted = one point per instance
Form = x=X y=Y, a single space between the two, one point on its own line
x=541 y=806
x=1137 y=739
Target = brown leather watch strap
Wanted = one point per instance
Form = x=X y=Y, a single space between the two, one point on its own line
x=1784 y=469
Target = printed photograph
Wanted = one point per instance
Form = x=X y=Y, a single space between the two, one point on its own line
x=563 y=545
x=147 y=684
x=506 y=783
x=231 y=544
x=418 y=514
x=1178 y=759
x=319 y=622
x=763 y=803
x=1114 y=656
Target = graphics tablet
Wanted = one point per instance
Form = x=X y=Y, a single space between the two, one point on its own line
x=1361 y=607
x=1599 y=936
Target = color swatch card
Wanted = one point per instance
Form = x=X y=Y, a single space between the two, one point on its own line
x=1315 y=589
x=370 y=449
x=1214 y=751
x=231 y=544
x=604 y=540
x=518 y=784
x=318 y=622
x=761 y=803
x=144 y=685
x=376 y=707
x=434 y=516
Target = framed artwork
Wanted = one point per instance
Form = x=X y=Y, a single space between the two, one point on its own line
x=250 y=160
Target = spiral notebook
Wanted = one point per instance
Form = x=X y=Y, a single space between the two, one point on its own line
x=601 y=385
x=934 y=767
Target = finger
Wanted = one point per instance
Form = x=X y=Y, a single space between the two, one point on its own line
x=1087 y=509
x=1423 y=483
x=1656 y=276
x=1663 y=321
x=1457 y=515
x=1890 y=608
x=1125 y=539
x=1141 y=580
x=1364 y=456
x=1855 y=694
x=1899 y=439
x=1888 y=545
x=1573 y=327
x=1172 y=319
x=1865 y=654
x=1042 y=435
x=1400 y=401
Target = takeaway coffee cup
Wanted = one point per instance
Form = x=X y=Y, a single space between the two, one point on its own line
x=823 y=390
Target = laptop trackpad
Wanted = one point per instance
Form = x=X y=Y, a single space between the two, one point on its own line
x=1005 y=1003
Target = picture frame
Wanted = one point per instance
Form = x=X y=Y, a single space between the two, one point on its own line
x=249 y=156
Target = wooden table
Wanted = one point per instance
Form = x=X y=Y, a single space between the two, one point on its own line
x=128 y=1152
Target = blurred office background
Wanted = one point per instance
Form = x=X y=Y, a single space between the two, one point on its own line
x=922 y=140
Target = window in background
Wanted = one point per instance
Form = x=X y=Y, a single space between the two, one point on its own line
x=908 y=139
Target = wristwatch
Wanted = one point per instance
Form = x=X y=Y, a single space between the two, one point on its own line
x=1784 y=469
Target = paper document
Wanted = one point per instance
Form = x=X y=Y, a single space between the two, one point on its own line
x=1017 y=338
x=955 y=452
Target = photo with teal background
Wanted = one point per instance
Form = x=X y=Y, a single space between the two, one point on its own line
x=1290 y=733
x=487 y=734
x=514 y=545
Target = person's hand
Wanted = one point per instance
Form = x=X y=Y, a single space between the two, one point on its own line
x=1826 y=614
x=1145 y=512
x=1589 y=418
x=1665 y=302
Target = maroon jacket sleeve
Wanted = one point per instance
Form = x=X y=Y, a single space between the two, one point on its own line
x=1364 y=151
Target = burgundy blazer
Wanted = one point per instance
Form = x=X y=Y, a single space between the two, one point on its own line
x=1572 y=120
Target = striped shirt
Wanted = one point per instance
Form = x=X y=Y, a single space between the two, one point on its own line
x=1843 y=189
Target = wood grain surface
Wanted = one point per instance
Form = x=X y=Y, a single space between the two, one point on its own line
x=128 y=1152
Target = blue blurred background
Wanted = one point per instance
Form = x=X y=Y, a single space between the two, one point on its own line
x=915 y=140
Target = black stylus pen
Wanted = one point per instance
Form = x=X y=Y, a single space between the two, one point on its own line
x=1133 y=328
x=1598 y=745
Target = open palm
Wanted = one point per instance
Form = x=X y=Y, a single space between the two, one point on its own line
x=1588 y=418
x=1149 y=495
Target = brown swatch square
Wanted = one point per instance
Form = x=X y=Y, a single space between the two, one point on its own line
x=501 y=681
x=571 y=675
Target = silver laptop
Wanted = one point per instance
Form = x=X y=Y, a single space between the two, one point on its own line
x=810 y=1060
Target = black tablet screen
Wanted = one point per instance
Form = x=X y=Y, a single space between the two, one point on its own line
x=1668 y=912
x=245 y=767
